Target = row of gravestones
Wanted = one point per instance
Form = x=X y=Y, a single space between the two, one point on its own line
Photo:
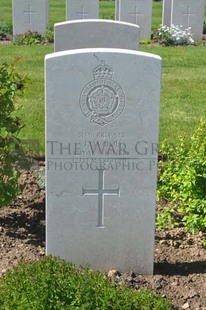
x=102 y=120
x=33 y=14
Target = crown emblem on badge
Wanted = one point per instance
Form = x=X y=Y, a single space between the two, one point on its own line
x=103 y=72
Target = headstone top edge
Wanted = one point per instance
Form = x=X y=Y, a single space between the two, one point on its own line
x=106 y=21
x=101 y=50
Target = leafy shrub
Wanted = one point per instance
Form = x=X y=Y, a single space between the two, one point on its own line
x=11 y=86
x=34 y=38
x=5 y=30
x=200 y=43
x=173 y=35
x=49 y=36
x=52 y=284
x=145 y=42
x=182 y=181
x=204 y=28
x=28 y=38
x=3 y=35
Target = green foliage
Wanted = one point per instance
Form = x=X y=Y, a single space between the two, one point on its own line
x=200 y=43
x=145 y=42
x=182 y=181
x=11 y=86
x=52 y=284
x=204 y=28
x=49 y=36
x=28 y=38
x=34 y=38
x=107 y=10
x=5 y=30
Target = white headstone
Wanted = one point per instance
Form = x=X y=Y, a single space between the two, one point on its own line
x=166 y=12
x=138 y=12
x=91 y=33
x=185 y=13
x=82 y=9
x=30 y=15
x=102 y=119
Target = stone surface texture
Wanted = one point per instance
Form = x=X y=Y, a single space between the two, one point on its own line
x=166 y=12
x=81 y=9
x=185 y=13
x=30 y=15
x=102 y=120
x=91 y=34
x=138 y=12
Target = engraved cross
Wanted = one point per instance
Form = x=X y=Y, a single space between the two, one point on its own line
x=82 y=13
x=29 y=13
x=136 y=13
x=188 y=14
x=100 y=192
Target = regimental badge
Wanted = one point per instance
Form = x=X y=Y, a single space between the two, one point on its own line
x=102 y=100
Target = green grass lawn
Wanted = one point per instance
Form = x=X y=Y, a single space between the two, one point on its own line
x=31 y=109
x=183 y=99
